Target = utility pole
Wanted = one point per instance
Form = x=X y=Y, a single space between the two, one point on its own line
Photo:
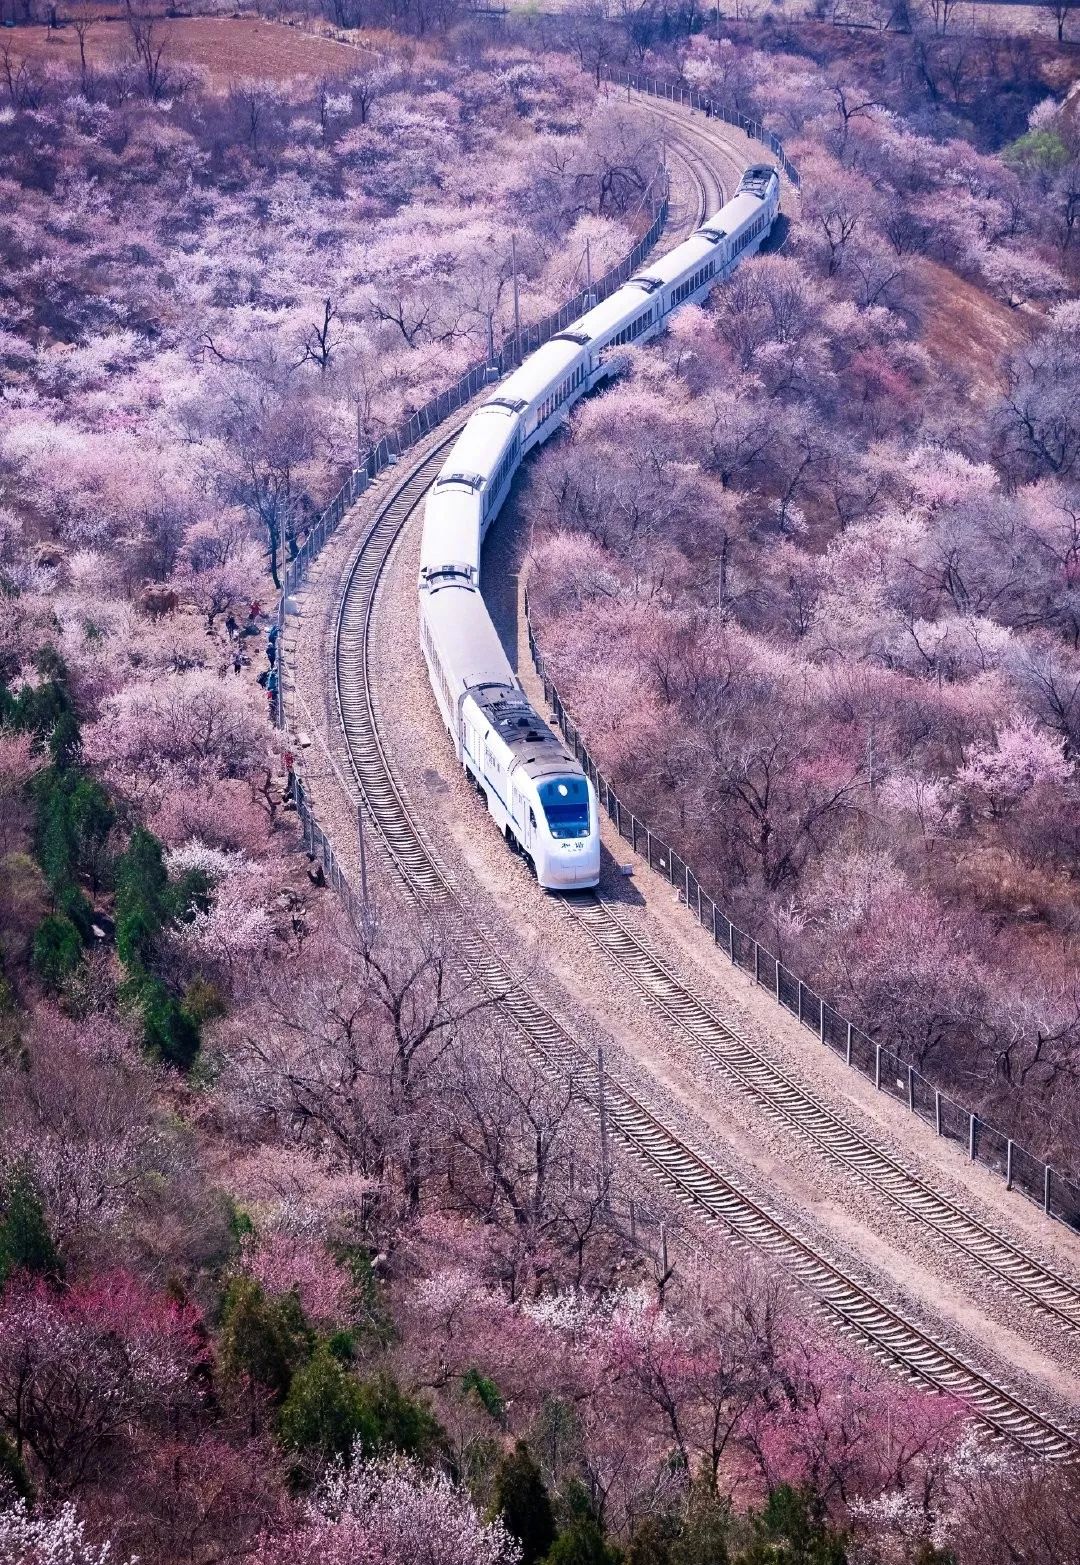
x=363 y=856
x=601 y=1104
x=588 y=267
x=517 y=305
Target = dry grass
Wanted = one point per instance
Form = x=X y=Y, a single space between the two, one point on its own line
x=224 y=49
x=965 y=328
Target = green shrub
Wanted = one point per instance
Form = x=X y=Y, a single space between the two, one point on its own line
x=170 y=1034
x=521 y=1499
x=582 y=1543
x=25 y=1240
x=486 y=1392
x=56 y=950
x=263 y=1341
x=403 y=1425
x=326 y=1410
x=791 y=1530
x=13 y=1474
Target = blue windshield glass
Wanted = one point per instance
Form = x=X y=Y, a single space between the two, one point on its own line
x=566 y=805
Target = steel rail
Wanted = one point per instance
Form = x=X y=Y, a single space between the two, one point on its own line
x=685 y=1170
x=725 y=1048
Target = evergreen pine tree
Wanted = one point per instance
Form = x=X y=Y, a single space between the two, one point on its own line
x=25 y=1240
x=521 y=1498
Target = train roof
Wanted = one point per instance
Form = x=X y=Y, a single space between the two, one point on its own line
x=617 y=309
x=467 y=641
x=737 y=212
x=533 y=745
x=451 y=534
x=477 y=451
x=533 y=380
x=684 y=258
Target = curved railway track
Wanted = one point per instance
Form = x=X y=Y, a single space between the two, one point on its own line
x=726 y=1050
x=653 y=1144
x=710 y=190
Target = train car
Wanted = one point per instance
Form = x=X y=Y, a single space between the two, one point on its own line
x=537 y=794
x=470 y=488
x=541 y=391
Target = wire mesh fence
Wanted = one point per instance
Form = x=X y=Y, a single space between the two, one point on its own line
x=891 y=1074
x=516 y=345
x=674 y=92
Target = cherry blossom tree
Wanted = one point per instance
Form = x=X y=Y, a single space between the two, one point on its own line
x=80 y=1368
x=391 y=1512
x=56 y=1539
x=999 y=776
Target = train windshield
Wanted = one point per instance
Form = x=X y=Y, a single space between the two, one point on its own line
x=566 y=805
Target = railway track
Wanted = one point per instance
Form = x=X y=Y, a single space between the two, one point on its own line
x=684 y=1169
x=655 y=1146
x=705 y=189
x=710 y=190
x=726 y=1050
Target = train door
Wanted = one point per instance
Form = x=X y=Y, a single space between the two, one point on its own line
x=470 y=748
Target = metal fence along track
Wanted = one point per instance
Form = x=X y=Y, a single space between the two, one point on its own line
x=889 y=1072
x=724 y=1047
x=684 y=1170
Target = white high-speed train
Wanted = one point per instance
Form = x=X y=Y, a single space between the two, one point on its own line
x=536 y=792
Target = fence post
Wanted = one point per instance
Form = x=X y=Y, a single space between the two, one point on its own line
x=671 y=866
x=847 y=1051
x=715 y=936
x=1046 y=1190
x=731 y=942
x=618 y=818
x=877 y=1066
x=971 y=1138
x=821 y=1018
x=937 y=1111
x=648 y=847
x=687 y=882
x=778 y=980
x=1008 y=1165
x=802 y=986
x=911 y=1089
x=601 y=1098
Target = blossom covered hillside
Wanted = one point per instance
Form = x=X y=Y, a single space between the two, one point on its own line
x=839 y=567
x=302 y=1257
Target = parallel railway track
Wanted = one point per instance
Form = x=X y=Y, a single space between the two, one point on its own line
x=725 y=1049
x=685 y=1170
